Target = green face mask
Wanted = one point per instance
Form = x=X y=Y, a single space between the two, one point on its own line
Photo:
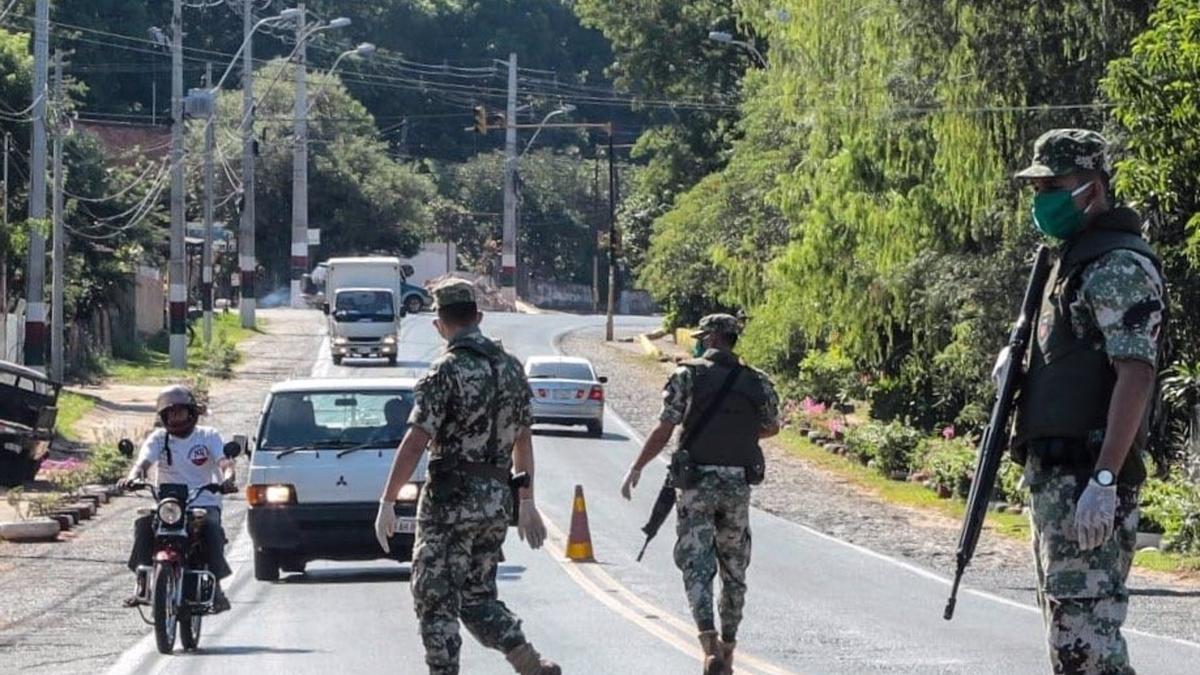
x=698 y=348
x=1055 y=213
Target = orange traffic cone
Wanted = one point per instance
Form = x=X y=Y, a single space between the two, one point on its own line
x=579 y=541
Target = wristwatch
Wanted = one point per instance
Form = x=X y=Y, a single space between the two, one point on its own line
x=1104 y=478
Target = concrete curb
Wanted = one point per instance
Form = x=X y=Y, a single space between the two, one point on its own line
x=33 y=530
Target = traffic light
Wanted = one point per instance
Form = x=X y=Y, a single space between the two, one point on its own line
x=481 y=120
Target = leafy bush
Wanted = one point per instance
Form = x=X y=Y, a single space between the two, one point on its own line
x=948 y=465
x=1007 y=482
x=889 y=448
x=1172 y=507
x=107 y=464
x=219 y=357
x=829 y=377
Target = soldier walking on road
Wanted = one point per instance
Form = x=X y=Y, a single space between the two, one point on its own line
x=1083 y=416
x=725 y=409
x=473 y=411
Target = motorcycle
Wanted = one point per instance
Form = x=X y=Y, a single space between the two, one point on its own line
x=178 y=587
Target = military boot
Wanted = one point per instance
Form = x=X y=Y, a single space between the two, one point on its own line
x=727 y=656
x=713 y=663
x=527 y=661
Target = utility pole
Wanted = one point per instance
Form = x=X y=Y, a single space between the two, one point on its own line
x=300 y=165
x=176 y=279
x=508 y=251
x=246 y=257
x=206 y=261
x=595 y=230
x=57 y=332
x=612 y=236
x=5 y=237
x=35 y=281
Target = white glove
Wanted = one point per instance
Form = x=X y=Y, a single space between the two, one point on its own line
x=530 y=527
x=1095 y=515
x=1002 y=360
x=385 y=524
x=631 y=480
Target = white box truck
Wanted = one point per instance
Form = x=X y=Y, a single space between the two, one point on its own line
x=363 y=302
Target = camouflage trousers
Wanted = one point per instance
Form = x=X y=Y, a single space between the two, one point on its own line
x=454 y=577
x=713 y=525
x=1082 y=593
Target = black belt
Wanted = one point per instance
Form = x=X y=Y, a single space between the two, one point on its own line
x=1062 y=452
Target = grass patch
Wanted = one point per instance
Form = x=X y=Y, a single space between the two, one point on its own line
x=1160 y=561
x=899 y=492
x=152 y=363
x=71 y=409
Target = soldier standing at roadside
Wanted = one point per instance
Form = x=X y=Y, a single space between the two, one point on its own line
x=725 y=409
x=1082 y=421
x=472 y=409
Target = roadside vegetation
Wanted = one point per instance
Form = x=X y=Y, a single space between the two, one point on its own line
x=150 y=362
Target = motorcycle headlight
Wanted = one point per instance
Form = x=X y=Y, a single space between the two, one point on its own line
x=170 y=513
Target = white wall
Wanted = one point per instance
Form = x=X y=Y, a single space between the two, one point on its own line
x=435 y=259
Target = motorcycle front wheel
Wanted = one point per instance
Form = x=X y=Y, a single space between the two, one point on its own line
x=189 y=635
x=165 y=619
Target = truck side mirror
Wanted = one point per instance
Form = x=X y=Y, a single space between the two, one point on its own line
x=232 y=449
x=125 y=447
x=407 y=271
x=325 y=308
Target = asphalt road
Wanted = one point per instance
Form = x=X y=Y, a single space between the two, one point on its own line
x=816 y=605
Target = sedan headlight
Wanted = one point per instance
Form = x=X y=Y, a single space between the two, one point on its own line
x=409 y=493
x=170 y=513
x=389 y=339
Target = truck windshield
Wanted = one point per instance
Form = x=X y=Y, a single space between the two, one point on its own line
x=364 y=306
x=336 y=419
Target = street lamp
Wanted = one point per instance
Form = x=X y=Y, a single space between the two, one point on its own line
x=565 y=109
x=727 y=38
x=363 y=51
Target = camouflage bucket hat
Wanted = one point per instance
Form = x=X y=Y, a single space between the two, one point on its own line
x=453 y=292
x=1060 y=152
x=718 y=323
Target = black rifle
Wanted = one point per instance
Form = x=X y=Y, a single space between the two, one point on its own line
x=680 y=465
x=995 y=437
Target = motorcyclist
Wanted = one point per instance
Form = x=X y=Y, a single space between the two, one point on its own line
x=188 y=454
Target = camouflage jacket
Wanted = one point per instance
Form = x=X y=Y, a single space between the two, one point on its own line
x=677 y=394
x=1119 y=306
x=453 y=402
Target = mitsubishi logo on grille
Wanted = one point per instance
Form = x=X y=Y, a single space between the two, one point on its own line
x=341 y=481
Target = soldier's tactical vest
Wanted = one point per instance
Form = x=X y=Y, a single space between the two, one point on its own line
x=1070 y=380
x=731 y=436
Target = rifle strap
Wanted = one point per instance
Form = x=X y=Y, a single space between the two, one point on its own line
x=693 y=432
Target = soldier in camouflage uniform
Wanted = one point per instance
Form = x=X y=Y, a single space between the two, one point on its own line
x=713 y=503
x=1082 y=420
x=472 y=409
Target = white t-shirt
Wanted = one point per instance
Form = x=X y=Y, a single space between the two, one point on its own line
x=195 y=460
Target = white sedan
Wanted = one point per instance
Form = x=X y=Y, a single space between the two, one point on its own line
x=566 y=391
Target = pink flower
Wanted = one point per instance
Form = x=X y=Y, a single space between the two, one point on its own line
x=948 y=432
x=811 y=407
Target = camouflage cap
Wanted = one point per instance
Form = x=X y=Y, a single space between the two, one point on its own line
x=718 y=323
x=453 y=292
x=1059 y=152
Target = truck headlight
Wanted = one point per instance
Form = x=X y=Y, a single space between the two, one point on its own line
x=340 y=341
x=170 y=513
x=260 y=495
x=389 y=339
x=409 y=492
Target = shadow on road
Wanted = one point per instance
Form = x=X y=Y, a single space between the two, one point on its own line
x=380 y=363
x=1164 y=593
x=366 y=575
x=245 y=650
x=570 y=433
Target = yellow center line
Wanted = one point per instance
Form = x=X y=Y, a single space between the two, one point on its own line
x=662 y=624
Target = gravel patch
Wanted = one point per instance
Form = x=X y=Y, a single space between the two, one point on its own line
x=60 y=602
x=811 y=496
